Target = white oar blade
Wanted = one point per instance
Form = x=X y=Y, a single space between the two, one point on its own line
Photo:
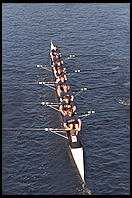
x=78 y=157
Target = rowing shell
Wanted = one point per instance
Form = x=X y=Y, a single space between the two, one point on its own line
x=76 y=149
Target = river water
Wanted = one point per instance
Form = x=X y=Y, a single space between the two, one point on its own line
x=38 y=162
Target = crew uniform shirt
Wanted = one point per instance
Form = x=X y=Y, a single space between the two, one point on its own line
x=61 y=84
x=71 y=120
x=57 y=66
x=55 y=59
x=68 y=105
x=68 y=93
x=61 y=74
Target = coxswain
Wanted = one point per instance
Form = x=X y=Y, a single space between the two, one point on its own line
x=54 y=52
x=66 y=92
x=72 y=121
x=65 y=105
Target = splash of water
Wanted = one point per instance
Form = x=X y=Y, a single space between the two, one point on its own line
x=83 y=190
x=123 y=101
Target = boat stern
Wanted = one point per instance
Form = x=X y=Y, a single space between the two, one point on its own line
x=78 y=157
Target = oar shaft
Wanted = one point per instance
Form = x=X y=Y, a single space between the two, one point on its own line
x=100 y=111
x=78 y=55
x=30 y=83
x=44 y=67
x=30 y=103
x=94 y=69
x=90 y=88
x=24 y=129
x=34 y=129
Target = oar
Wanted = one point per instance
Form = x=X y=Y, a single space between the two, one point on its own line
x=32 y=103
x=29 y=83
x=76 y=90
x=44 y=67
x=53 y=83
x=100 y=111
x=35 y=129
x=59 y=134
x=94 y=69
x=65 y=56
x=56 y=131
x=68 y=72
x=48 y=84
x=48 y=104
x=78 y=55
x=90 y=88
x=88 y=113
x=84 y=55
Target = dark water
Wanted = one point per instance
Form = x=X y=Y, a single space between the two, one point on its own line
x=37 y=162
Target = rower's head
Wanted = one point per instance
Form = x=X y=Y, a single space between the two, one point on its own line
x=69 y=112
x=62 y=78
x=58 y=63
x=59 y=70
x=66 y=87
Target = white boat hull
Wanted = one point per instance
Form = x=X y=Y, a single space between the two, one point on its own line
x=77 y=154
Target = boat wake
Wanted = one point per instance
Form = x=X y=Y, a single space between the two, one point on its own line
x=125 y=102
x=83 y=190
x=126 y=85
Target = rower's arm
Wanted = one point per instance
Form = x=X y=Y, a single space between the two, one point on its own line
x=72 y=98
x=79 y=124
x=61 y=100
x=65 y=77
x=74 y=108
x=55 y=72
x=64 y=70
x=66 y=127
x=61 y=110
x=58 y=90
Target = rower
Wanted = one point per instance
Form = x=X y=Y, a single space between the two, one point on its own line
x=72 y=121
x=57 y=57
x=65 y=105
x=59 y=63
x=60 y=85
x=60 y=73
x=66 y=92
